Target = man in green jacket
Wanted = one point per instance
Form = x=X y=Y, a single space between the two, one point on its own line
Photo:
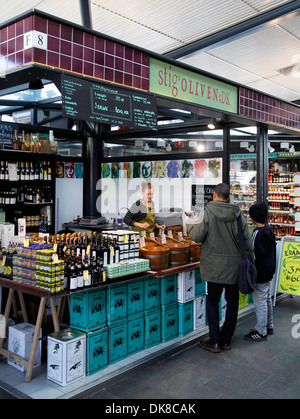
x=219 y=262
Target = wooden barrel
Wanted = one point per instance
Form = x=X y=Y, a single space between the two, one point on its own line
x=179 y=252
x=157 y=255
x=195 y=248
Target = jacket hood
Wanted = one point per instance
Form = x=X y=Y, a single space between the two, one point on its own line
x=224 y=211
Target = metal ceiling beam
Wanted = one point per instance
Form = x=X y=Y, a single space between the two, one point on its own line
x=227 y=34
x=85 y=11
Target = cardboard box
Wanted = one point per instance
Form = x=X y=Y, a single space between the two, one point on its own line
x=168 y=292
x=88 y=310
x=135 y=298
x=66 y=356
x=199 y=312
x=116 y=303
x=151 y=294
x=136 y=330
x=117 y=341
x=96 y=350
x=20 y=337
x=185 y=318
x=152 y=328
x=186 y=286
x=169 y=323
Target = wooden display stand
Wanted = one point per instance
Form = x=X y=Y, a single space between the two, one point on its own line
x=43 y=295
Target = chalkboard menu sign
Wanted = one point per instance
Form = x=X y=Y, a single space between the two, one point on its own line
x=201 y=195
x=7 y=132
x=106 y=104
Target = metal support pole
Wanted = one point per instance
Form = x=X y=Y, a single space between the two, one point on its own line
x=226 y=159
x=262 y=163
x=91 y=175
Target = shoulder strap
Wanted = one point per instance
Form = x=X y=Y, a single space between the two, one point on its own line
x=241 y=237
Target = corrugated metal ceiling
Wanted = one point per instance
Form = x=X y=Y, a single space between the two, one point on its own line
x=251 y=58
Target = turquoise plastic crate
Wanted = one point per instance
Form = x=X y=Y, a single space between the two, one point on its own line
x=151 y=294
x=136 y=329
x=116 y=303
x=168 y=285
x=88 y=310
x=135 y=295
x=96 y=350
x=169 y=322
x=152 y=328
x=117 y=341
x=199 y=283
x=185 y=318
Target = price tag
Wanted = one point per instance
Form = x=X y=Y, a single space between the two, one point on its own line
x=134 y=238
x=163 y=239
x=26 y=243
x=55 y=258
x=55 y=247
x=86 y=275
x=170 y=234
x=125 y=238
x=142 y=241
x=112 y=251
x=88 y=249
x=180 y=238
x=152 y=236
x=143 y=233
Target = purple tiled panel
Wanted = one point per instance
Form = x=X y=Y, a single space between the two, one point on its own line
x=74 y=50
x=265 y=108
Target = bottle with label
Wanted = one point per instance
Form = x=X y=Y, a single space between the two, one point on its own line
x=101 y=271
x=94 y=273
x=87 y=273
x=79 y=273
x=104 y=251
x=72 y=277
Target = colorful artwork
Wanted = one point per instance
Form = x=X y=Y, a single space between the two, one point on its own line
x=201 y=168
x=186 y=169
x=60 y=169
x=160 y=169
x=78 y=170
x=136 y=169
x=215 y=169
x=173 y=167
x=69 y=170
x=147 y=169
x=115 y=170
x=105 y=170
x=127 y=170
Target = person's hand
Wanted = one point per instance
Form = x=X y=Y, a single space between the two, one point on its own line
x=142 y=225
x=162 y=227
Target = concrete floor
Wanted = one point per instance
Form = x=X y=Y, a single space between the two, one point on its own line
x=250 y=370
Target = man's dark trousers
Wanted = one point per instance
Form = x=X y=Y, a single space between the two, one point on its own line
x=214 y=292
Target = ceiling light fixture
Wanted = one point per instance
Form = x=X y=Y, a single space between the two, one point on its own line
x=211 y=125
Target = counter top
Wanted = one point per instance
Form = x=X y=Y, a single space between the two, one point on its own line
x=175 y=269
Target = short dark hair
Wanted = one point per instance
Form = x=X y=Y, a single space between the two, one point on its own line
x=223 y=191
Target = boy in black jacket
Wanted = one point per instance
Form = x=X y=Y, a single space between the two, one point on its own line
x=265 y=262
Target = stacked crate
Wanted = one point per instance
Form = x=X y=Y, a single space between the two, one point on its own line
x=122 y=319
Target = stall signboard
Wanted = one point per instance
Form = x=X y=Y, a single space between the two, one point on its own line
x=107 y=104
x=201 y=195
x=178 y=83
x=288 y=269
